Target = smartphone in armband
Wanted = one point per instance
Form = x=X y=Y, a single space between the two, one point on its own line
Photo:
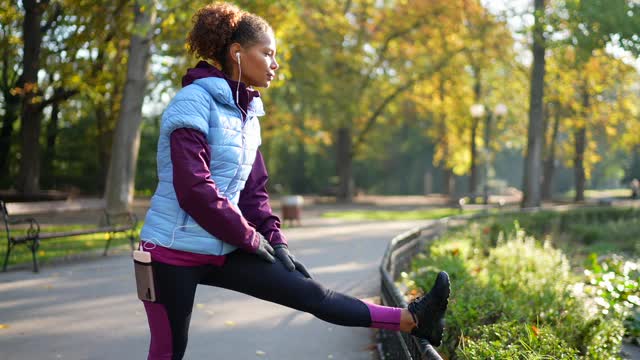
x=144 y=275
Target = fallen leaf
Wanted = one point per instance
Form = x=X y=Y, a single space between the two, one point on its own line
x=4 y=326
x=230 y=323
x=200 y=306
x=535 y=329
x=260 y=353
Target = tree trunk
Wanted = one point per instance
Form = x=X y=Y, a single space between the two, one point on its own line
x=50 y=149
x=485 y=158
x=31 y=115
x=126 y=141
x=633 y=172
x=344 y=164
x=549 y=162
x=578 y=162
x=104 y=143
x=105 y=119
x=449 y=182
x=535 y=140
x=11 y=108
x=580 y=135
x=427 y=182
x=473 y=180
x=11 y=103
x=299 y=183
x=477 y=94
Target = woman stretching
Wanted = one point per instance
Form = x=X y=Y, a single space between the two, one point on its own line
x=210 y=221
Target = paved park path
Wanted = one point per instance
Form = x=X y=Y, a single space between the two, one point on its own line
x=88 y=309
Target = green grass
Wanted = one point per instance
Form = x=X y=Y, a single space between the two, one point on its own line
x=63 y=247
x=622 y=237
x=418 y=214
x=579 y=232
x=605 y=193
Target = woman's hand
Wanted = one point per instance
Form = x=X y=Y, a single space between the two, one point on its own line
x=265 y=251
x=289 y=261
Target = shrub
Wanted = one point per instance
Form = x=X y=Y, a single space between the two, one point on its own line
x=519 y=280
x=513 y=340
x=613 y=285
x=587 y=225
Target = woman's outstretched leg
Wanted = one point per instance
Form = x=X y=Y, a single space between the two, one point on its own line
x=251 y=275
x=390 y=318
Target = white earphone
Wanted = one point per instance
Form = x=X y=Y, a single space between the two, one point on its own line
x=238 y=86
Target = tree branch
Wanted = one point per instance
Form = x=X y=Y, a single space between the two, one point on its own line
x=58 y=96
x=382 y=51
x=5 y=67
x=347 y=7
x=371 y=121
x=52 y=19
x=118 y=9
x=380 y=109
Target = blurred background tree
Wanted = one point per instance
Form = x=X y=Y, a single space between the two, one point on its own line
x=372 y=96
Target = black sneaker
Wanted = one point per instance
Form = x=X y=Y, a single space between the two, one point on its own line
x=428 y=311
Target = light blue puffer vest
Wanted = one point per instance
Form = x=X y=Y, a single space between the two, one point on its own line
x=207 y=105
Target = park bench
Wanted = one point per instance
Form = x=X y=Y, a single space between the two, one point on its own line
x=32 y=236
x=462 y=203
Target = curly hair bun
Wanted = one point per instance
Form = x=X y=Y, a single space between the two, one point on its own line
x=216 y=26
x=213 y=28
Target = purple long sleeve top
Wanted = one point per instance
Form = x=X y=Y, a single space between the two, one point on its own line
x=199 y=196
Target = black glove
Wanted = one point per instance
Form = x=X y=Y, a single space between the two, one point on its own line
x=289 y=261
x=265 y=251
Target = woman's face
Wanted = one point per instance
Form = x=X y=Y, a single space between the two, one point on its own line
x=258 y=62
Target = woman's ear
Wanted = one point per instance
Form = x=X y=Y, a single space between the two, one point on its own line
x=235 y=51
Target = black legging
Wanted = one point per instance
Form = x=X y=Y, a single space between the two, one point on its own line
x=248 y=274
